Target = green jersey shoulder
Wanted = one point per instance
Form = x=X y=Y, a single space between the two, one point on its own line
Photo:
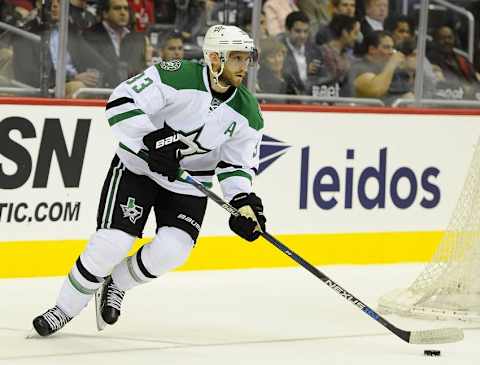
x=188 y=75
x=246 y=104
x=181 y=74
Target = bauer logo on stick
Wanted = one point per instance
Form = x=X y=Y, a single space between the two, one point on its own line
x=431 y=352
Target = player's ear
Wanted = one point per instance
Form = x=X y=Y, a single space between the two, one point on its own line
x=214 y=58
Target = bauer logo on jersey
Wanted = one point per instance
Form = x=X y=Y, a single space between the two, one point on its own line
x=131 y=210
x=172 y=65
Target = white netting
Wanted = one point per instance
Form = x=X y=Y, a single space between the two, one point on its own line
x=449 y=286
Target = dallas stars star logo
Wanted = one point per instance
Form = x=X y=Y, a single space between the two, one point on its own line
x=191 y=140
x=214 y=104
x=131 y=210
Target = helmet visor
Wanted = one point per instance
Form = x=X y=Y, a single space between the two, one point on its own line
x=238 y=57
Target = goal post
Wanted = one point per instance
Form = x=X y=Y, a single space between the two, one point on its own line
x=449 y=285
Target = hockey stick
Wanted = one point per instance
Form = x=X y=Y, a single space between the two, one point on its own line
x=435 y=336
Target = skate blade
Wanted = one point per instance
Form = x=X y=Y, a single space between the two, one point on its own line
x=101 y=324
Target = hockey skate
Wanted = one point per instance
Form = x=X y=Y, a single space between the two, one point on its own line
x=51 y=321
x=108 y=300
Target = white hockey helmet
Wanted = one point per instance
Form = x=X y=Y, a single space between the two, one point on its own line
x=223 y=39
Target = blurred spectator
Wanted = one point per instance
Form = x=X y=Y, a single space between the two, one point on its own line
x=459 y=72
x=276 y=12
x=172 y=47
x=263 y=25
x=382 y=73
x=150 y=53
x=165 y=11
x=237 y=12
x=190 y=19
x=407 y=70
x=143 y=13
x=6 y=66
x=336 y=57
x=317 y=11
x=376 y=11
x=16 y=13
x=401 y=28
x=339 y=7
x=474 y=8
x=270 y=74
x=124 y=51
x=303 y=66
x=345 y=7
x=80 y=17
x=79 y=56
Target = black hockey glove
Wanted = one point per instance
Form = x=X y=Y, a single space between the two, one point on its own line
x=163 y=151
x=251 y=221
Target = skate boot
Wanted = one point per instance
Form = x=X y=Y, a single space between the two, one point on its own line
x=110 y=301
x=51 y=321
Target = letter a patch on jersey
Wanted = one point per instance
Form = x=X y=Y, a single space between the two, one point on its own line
x=230 y=129
x=131 y=210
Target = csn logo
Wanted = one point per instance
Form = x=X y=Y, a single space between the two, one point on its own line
x=14 y=133
x=402 y=187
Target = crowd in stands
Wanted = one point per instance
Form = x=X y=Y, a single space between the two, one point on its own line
x=321 y=48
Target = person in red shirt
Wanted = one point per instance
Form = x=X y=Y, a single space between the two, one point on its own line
x=143 y=14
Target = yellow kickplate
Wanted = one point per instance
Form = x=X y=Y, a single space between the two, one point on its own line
x=53 y=258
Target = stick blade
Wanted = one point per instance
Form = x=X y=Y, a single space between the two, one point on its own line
x=436 y=336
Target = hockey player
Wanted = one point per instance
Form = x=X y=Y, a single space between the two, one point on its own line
x=176 y=114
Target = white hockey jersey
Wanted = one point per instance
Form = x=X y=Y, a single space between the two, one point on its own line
x=224 y=139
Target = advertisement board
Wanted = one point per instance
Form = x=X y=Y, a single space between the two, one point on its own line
x=338 y=186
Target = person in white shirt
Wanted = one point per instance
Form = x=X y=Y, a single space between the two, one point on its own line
x=122 y=49
x=303 y=60
x=376 y=11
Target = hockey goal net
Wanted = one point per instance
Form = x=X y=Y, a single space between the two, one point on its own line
x=449 y=286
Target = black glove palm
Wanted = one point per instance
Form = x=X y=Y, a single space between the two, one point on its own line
x=163 y=156
x=243 y=225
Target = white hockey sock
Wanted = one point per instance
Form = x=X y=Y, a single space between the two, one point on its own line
x=72 y=301
x=168 y=250
x=105 y=249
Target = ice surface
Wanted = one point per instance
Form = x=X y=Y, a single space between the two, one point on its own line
x=248 y=317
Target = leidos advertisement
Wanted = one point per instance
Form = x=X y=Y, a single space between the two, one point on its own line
x=319 y=172
x=344 y=173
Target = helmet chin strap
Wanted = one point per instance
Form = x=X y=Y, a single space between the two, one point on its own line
x=216 y=76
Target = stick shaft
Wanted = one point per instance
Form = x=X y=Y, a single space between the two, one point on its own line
x=404 y=335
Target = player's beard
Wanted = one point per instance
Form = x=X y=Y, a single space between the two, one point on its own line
x=229 y=79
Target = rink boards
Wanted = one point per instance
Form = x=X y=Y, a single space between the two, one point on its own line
x=339 y=185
